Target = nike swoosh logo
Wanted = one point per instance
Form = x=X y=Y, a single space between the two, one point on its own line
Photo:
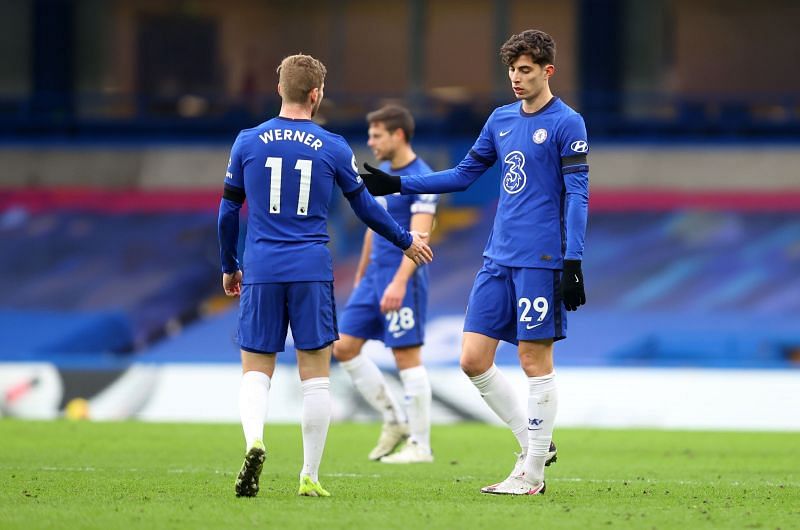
x=398 y=334
x=539 y=429
x=503 y=133
x=528 y=326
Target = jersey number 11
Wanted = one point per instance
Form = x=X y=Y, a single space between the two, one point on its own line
x=275 y=164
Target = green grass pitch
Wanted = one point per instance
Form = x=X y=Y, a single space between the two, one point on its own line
x=70 y=475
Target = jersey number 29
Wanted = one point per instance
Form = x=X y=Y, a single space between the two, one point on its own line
x=275 y=164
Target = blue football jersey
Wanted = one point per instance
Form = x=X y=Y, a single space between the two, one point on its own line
x=288 y=169
x=544 y=186
x=401 y=208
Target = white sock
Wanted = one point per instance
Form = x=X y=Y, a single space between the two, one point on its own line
x=498 y=393
x=418 y=404
x=542 y=406
x=253 y=405
x=369 y=381
x=315 y=421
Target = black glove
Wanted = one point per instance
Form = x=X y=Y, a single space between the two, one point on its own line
x=379 y=182
x=572 y=292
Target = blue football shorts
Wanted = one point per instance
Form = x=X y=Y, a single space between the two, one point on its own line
x=403 y=328
x=267 y=309
x=515 y=303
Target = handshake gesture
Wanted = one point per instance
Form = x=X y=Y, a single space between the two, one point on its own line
x=419 y=252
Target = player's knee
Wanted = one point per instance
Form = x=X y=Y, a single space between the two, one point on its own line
x=407 y=357
x=536 y=367
x=474 y=365
x=536 y=357
x=343 y=351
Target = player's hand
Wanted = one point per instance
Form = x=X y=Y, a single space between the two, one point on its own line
x=392 y=299
x=419 y=252
x=232 y=283
x=572 y=285
x=379 y=182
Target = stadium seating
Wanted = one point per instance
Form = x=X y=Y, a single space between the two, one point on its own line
x=73 y=286
x=676 y=288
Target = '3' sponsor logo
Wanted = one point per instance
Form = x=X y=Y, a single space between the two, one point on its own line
x=514 y=178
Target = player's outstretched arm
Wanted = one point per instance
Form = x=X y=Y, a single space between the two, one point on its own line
x=458 y=178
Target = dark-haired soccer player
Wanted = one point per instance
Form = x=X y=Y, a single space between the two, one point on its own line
x=532 y=262
x=390 y=302
x=287 y=167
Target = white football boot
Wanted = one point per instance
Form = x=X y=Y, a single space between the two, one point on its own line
x=519 y=467
x=411 y=453
x=392 y=434
x=516 y=486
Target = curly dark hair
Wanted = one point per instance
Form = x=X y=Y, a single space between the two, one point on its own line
x=538 y=44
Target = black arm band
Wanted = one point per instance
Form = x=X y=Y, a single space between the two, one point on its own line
x=355 y=192
x=482 y=159
x=233 y=194
x=573 y=160
x=574 y=164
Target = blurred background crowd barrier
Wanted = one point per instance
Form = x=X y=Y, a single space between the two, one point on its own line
x=116 y=118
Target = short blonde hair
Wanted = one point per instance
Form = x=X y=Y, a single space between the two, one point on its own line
x=298 y=75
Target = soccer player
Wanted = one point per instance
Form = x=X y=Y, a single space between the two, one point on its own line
x=389 y=303
x=287 y=167
x=532 y=262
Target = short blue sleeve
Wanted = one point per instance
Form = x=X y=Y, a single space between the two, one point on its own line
x=573 y=146
x=425 y=203
x=573 y=141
